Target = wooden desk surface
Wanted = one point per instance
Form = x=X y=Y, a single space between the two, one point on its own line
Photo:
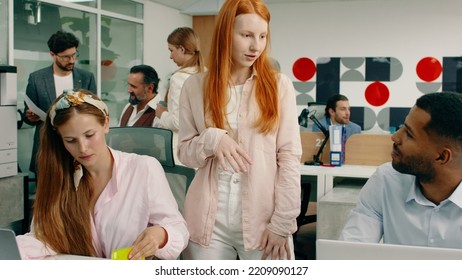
x=361 y=149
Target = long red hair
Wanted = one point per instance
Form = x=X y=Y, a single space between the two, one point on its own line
x=220 y=64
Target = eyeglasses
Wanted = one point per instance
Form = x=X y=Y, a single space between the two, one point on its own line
x=68 y=57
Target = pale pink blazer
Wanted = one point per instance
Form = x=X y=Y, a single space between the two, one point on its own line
x=271 y=188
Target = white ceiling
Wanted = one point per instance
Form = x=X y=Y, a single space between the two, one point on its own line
x=211 y=7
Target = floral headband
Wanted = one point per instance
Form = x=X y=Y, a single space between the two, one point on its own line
x=66 y=100
x=71 y=98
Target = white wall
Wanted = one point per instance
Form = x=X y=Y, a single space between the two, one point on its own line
x=160 y=21
x=407 y=30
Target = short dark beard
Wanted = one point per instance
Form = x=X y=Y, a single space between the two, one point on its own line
x=133 y=101
x=417 y=167
x=63 y=67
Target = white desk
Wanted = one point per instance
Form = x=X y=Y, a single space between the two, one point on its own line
x=325 y=175
x=335 y=205
x=72 y=257
x=319 y=173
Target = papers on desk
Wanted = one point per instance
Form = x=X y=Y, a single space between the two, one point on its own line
x=337 y=144
x=34 y=108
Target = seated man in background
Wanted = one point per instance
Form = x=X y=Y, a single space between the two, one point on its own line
x=338 y=112
x=417 y=198
x=143 y=83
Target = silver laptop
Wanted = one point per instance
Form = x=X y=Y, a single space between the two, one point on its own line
x=346 y=250
x=8 y=246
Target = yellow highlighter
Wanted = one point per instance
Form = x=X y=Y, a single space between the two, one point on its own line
x=121 y=254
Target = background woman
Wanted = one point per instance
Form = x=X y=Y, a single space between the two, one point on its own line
x=184 y=47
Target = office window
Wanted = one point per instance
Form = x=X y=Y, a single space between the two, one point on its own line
x=125 y=7
x=121 y=48
x=88 y=3
x=4 y=32
x=31 y=33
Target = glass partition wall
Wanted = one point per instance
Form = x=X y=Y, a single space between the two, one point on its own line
x=4 y=32
x=111 y=41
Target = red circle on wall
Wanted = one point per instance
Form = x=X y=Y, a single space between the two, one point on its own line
x=377 y=94
x=304 y=69
x=429 y=69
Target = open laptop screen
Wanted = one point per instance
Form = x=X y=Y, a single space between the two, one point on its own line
x=8 y=246
x=347 y=250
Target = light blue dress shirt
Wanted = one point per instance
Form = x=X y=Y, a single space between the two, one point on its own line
x=391 y=205
x=351 y=128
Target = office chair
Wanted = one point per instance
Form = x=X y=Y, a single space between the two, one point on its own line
x=150 y=141
x=155 y=142
x=315 y=110
x=302 y=218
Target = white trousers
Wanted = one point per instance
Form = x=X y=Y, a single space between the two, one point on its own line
x=227 y=242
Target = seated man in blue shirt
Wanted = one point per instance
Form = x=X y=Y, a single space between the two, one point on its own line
x=338 y=112
x=417 y=198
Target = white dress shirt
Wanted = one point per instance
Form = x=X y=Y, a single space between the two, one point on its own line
x=391 y=205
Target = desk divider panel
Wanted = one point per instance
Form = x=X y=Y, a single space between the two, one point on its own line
x=360 y=149
x=368 y=149
x=311 y=141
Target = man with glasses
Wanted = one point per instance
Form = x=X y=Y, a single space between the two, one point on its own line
x=46 y=84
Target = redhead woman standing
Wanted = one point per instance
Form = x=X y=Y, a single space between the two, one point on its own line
x=239 y=127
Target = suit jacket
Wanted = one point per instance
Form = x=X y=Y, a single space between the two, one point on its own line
x=41 y=90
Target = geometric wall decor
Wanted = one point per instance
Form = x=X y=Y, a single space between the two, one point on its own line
x=396 y=69
x=304 y=69
x=327 y=78
x=435 y=74
x=352 y=64
x=377 y=94
x=372 y=80
x=452 y=74
x=428 y=69
x=363 y=116
x=377 y=69
x=304 y=87
x=303 y=99
x=391 y=117
x=425 y=88
x=328 y=73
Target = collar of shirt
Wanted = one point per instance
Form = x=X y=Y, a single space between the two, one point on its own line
x=415 y=193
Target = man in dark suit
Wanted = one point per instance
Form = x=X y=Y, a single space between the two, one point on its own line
x=46 y=84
